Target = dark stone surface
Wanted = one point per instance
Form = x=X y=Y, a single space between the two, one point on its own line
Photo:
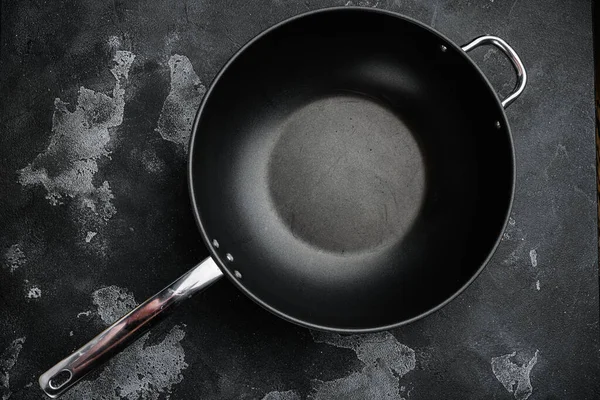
x=94 y=212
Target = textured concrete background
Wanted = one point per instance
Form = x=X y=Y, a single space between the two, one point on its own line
x=96 y=108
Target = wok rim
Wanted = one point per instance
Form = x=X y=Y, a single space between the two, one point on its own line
x=219 y=261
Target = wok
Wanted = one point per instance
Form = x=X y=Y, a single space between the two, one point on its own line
x=350 y=170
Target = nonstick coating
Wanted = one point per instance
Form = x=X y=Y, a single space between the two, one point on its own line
x=355 y=174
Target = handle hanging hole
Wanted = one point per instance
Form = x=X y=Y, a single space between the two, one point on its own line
x=61 y=379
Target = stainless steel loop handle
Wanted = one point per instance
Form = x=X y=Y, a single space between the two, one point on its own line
x=67 y=372
x=512 y=56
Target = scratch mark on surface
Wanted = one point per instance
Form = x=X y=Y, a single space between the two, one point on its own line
x=180 y=106
x=385 y=361
x=587 y=197
x=112 y=303
x=512 y=8
x=537 y=284
x=141 y=371
x=363 y=3
x=515 y=378
x=14 y=257
x=514 y=234
x=435 y=12
x=287 y=395
x=533 y=256
x=67 y=167
x=8 y=359
x=84 y=314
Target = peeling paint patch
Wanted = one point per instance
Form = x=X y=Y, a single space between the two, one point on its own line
x=385 y=361
x=34 y=293
x=67 y=167
x=287 y=395
x=8 y=359
x=515 y=378
x=180 y=106
x=140 y=372
x=112 y=303
x=373 y=382
x=14 y=257
x=89 y=236
x=533 y=257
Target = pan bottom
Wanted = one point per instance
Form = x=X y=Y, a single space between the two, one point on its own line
x=347 y=173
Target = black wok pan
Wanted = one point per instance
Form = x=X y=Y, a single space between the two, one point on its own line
x=350 y=170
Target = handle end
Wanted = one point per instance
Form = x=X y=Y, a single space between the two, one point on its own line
x=54 y=382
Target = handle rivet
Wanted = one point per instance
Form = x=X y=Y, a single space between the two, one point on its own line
x=215 y=243
x=229 y=257
x=237 y=274
x=443 y=48
x=498 y=126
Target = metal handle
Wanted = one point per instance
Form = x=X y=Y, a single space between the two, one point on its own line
x=67 y=372
x=512 y=56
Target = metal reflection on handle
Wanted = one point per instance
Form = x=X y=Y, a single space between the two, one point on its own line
x=512 y=56
x=67 y=372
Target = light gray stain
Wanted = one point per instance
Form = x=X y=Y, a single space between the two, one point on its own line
x=67 y=167
x=112 y=303
x=515 y=378
x=8 y=359
x=287 y=395
x=385 y=361
x=516 y=237
x=14 y=257
x=533 y=256
x=34 y=292
x=182 y=102
x=89 y=236
x=141 y=371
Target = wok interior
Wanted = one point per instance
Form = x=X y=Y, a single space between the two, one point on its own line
x=352 y=169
